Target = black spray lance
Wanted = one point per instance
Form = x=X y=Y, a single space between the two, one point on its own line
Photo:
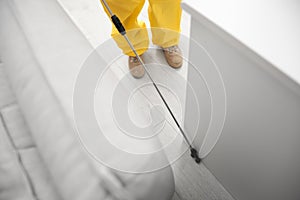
x=117 y=23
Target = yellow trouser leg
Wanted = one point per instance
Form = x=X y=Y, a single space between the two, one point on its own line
x=128 y=11
x=165 y=16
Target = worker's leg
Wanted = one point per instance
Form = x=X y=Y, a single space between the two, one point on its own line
x=165 y=14
x=128 y=11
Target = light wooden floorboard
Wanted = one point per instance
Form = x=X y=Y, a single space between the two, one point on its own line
x=196 y=182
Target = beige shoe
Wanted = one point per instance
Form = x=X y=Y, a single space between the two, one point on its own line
x=136 y=68
x=173 y=56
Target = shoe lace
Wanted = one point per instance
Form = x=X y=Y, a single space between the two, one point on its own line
x=172 y=49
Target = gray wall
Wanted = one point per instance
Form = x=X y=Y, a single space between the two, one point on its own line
x=258 y=153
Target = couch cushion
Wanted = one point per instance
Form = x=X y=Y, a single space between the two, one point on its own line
x=16 y=127
x=20 y=159
x=6 y=95
x=13 y=184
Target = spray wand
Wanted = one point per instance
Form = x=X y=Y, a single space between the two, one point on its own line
x=119 y=26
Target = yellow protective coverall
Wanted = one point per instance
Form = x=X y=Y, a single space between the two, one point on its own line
x=164 y=17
